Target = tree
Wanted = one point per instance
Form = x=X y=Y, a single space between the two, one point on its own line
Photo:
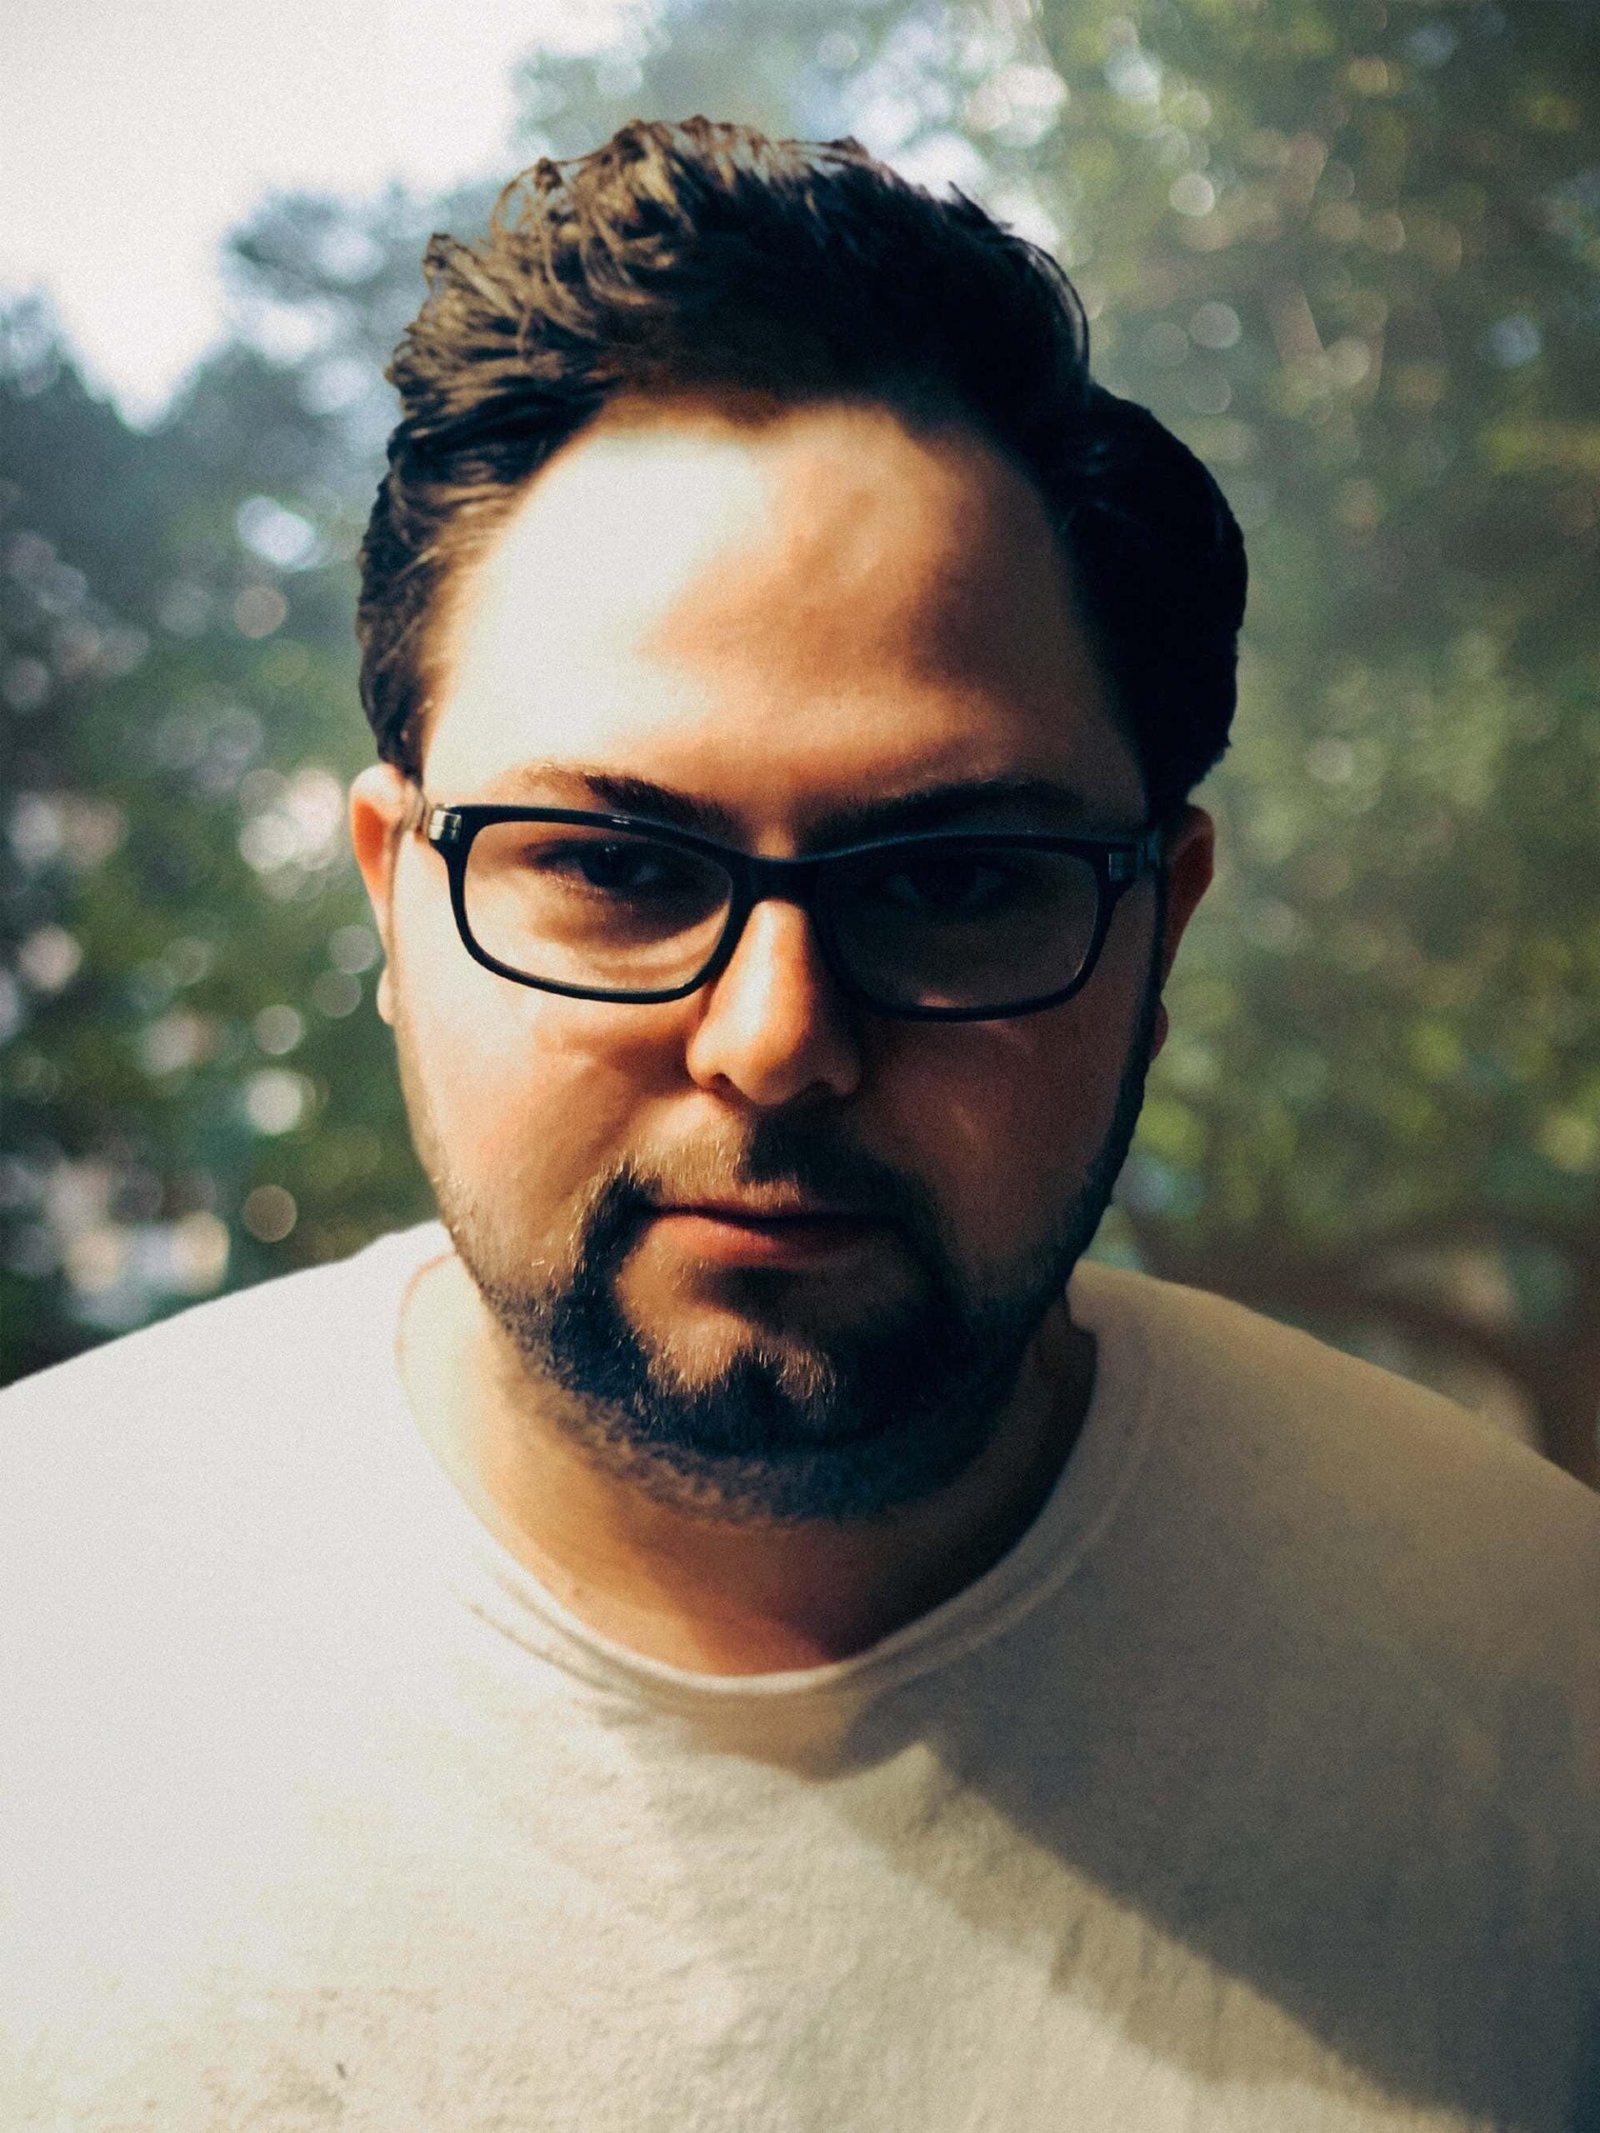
x=190 y=1097
x=1350 y=253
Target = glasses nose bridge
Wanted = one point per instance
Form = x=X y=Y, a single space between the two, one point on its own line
x=759 y=879
x=790 y=881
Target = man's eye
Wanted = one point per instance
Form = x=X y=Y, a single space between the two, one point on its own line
x=954 y=886
x=620 y=869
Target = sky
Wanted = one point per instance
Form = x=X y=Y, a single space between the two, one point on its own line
x=132 y=138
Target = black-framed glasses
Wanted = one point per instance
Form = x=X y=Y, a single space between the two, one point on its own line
x=941 y=926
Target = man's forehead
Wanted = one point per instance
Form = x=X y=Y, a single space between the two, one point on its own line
x=617 y=528
x=683 y=602
x=659 y=534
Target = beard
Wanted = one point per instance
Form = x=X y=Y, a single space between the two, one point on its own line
x=798 y=1422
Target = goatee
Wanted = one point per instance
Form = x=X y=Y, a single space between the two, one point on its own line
x=796 y=1424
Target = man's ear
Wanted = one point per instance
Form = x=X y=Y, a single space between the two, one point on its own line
x=1190 y=860
x=378 y=801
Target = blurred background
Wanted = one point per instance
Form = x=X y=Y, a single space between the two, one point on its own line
x=1348 y=249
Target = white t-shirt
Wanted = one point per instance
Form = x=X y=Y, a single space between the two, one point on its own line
x=1256 y=1789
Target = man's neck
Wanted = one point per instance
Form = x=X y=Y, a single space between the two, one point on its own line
x=686 y=1587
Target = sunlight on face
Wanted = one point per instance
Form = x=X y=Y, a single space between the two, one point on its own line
x=825 y=598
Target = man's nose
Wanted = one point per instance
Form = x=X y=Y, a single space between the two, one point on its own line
x=775 y=1026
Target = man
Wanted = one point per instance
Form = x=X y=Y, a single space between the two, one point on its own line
x=738 y=1627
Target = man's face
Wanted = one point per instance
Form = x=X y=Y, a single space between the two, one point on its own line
x=785 y=626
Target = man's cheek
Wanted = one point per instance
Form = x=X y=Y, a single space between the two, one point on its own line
x=532 y=1124
x=1039 y=1138
x=1026 y=1100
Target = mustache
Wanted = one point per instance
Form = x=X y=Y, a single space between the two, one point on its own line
x=810 y=1158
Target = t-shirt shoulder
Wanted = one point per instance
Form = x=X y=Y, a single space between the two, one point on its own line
x=1215 y=1353
x=1331 y=1482
x=218 y=1337
x=233 y=1395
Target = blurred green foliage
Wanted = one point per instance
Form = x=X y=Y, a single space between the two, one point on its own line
x=1351 y=252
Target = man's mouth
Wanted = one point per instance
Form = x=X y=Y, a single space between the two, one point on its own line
x=797 y=1233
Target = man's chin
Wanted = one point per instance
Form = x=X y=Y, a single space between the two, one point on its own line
x=697 y=1361
x=705 y=1317
x=768 y=1416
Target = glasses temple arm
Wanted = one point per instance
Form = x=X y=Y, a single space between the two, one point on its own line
x=418 y=807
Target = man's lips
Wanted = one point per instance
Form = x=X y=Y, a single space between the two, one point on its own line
x=734 y=1231
x=757 y=1211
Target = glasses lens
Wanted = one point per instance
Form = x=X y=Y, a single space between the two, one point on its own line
x=592 y=907
x=961 y=925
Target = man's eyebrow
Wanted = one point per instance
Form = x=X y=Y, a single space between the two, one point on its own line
x=933 y=806
x=579 y=785
x=925 y=807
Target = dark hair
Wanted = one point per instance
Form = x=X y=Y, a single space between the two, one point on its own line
x=693 y=259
